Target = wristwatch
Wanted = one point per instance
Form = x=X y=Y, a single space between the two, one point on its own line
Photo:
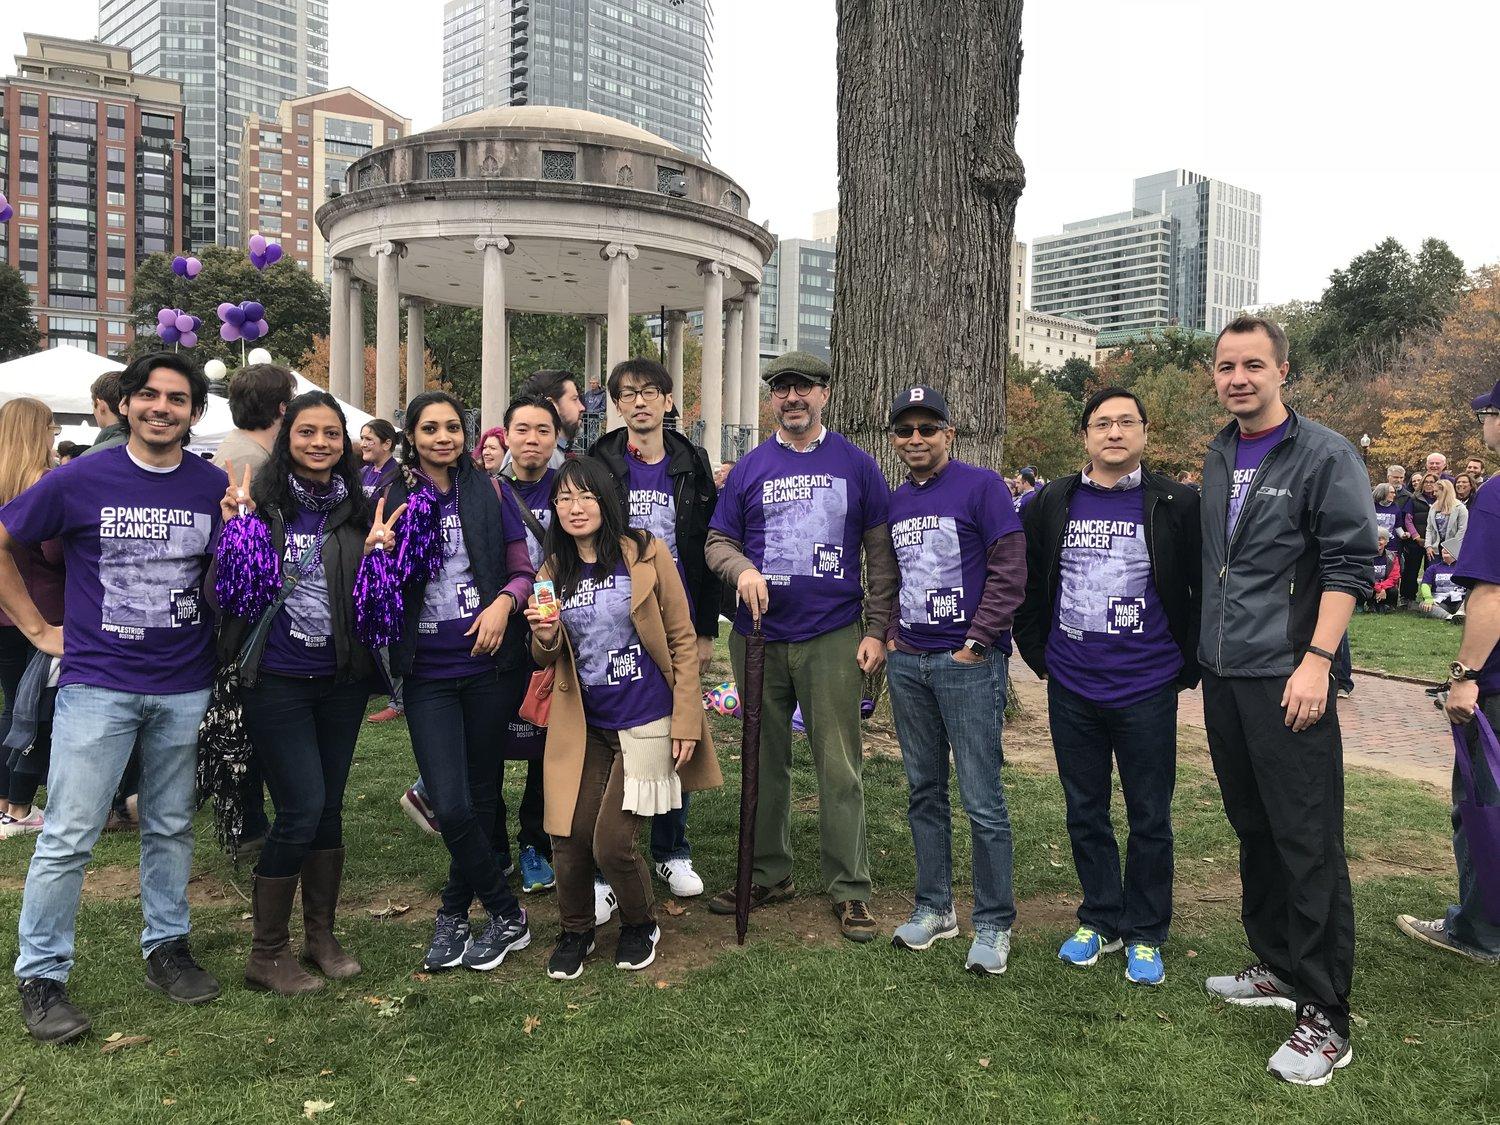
x=978 y=648
x=1458 y=672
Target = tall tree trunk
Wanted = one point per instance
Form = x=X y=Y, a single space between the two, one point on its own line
x=928 y=183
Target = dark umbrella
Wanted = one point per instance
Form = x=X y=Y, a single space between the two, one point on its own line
x=750 y=697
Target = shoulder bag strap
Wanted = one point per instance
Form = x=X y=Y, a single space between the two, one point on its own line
x=533 y=524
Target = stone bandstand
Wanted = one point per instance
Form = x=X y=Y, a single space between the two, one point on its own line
x=548 y=210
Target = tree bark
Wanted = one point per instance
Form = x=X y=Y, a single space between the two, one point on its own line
x=928 y=183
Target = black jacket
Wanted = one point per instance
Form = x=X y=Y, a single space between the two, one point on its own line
x=479 y=514
x=341 y=557
x=696 y=497
x=1172 y=540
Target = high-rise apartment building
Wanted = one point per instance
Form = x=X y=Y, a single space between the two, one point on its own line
x=796 y=298
x=293 y=163
x=1187 y=254
x=94 y=158
x=233 y=58
x=642 y=61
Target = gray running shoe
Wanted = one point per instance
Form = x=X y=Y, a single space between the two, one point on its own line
x=925 y=927
x=1313 y=1051
x=1435 y=934
x=1254 y=987
x=990 y=953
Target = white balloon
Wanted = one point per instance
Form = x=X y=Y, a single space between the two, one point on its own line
x=259 y=355
x=215 y=369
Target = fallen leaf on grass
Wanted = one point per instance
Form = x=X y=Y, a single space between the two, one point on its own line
x=118 y=1042
x=572 y=1007
x=116 y=1035
x=662 y=984
x=173 y=1052
x=530 y=1024
x=1163 y=1017
x=1358 y=1020
x=985 y=1063
x=1192 y=953
x=270 y=1038
x=672 y=907
x=421 y=976
x=169 y=1101
x=245 y=917
x=411 y=1077
x=1054 y=863
x=311 y=1109
x=391 y=909
x=1412 y=1040
x=324 y=1073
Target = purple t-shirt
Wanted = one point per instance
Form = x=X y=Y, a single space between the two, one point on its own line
x=373 y=479
x=1439 y=577
x=653 y=508
x=1382 y=564
x=1480 y=562
x=1109 y=640
x=299 y=641
x=1248 y=455
x=943 y=531
x=452 y=600
x=800 y=518
x=1389 y=517
x=622 y=686
x=1021 y=502
x=535 y=494
x=136 y=545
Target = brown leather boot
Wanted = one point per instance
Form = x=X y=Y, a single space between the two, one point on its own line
x=322 y=874
x=271 y=967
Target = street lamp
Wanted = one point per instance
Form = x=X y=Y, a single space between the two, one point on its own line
x=1364 y=451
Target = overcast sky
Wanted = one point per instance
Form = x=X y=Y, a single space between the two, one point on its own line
x=1354 y=119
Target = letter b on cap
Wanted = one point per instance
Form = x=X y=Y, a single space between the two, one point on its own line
x=917 y=394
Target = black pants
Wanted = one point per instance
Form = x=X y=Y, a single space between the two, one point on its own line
x=1284 y=795
x=528 y=816
x=1413 y=563
x=303 y=732
x=15 y=653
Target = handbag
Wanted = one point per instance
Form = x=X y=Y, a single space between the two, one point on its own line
x=1480 y=821
x=536 y=707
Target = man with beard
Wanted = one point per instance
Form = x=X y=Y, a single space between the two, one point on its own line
x=667 y=486
x=797 y=514
x=136 y=523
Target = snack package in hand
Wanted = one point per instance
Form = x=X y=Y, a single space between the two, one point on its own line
x=546 y=599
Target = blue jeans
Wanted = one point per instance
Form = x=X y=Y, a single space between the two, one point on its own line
x=669 y=834
x=939 y=702
x=94 y=731
x=456 y=727
x=1088 y=739
x=1466 y=921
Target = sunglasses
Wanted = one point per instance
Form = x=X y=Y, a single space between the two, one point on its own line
x=926 y=429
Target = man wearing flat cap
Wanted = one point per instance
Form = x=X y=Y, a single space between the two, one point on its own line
x=796 y=516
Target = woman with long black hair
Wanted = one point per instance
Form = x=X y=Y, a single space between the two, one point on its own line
x=464 y=572
x=304 y=682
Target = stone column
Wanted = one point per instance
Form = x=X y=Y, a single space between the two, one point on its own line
x=676 y=324
x=338 y=331
x=711 y=393
x=593 y=342
x=510 y=323
x=619 y=255
x=750 y=364
x=733 y=347
x=355 y=373
x=387 y=257
x=416 y=348
x=494 y=380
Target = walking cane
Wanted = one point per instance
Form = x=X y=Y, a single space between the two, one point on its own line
x=750 y=698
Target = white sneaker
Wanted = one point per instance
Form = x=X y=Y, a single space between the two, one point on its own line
x=680 y=878
x=13 y=827
x=1313 y=1051
x=605 y=903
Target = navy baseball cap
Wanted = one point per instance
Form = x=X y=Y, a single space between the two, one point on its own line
x=1490 y=401
x=920 y=398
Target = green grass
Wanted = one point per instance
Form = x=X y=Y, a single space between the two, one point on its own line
x=797 y=1026
x=1403 y=644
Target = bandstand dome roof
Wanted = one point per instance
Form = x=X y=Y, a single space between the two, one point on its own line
x=551 y=117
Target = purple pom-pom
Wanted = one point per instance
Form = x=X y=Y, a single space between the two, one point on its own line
x=378 y=604
x=421 y=555
x=249 y=571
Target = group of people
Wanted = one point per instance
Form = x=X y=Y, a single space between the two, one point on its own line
x=479 y=589
x=1423 y=519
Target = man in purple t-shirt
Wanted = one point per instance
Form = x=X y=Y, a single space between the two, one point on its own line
x=1111 y=622
x=136 y=523
x=796 y=515
x=1472 y=926
x=962 y=557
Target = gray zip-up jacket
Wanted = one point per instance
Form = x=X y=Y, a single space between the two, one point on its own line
x=1307 y=525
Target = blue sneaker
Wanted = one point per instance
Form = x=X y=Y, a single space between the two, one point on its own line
x=1085 y=946
x=1143 y=964
x=501 y=936
x=536 y=872
x=450 y=940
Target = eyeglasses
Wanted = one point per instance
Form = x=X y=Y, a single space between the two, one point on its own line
x=1481 y=415
x=645 y=394
x=803 y=387
x=1104 y=425
x=568 y=499
x=926 y=429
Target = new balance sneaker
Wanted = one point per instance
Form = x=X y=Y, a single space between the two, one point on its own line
x=501 y=936
x=990 y=953
x=566 y=962
x=172 y=971
x=416 y=807
x=1313 y=1051
x=536 y=872
x=1143 y=964
x=1253 y=987
x=50 y=1016
x=680 y=878
x=1084 y=948
x=1435 y=934
x=605 y=903
x=12 y=826
x=637 y=946
x=923 y=928
x=450 y=940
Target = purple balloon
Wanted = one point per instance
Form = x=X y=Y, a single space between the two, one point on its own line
x=228 y=333
x=263 y=325
x=169 y=335
x=250 y=329
x=257 y=244
x=165 y=317
x=6 y=211
x=179 y=266
x=258 y=261
x=194 y=267
x=254 y=310
x=190 y=339
x=234 y=315
x=224 y=307
x=184 y=323
x=197 y=323
x=273 y=253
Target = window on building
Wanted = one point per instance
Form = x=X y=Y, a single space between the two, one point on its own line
x=114 y=220
x=302 y=246
x=304 y=120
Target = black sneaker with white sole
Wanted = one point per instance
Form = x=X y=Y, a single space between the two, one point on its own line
x=566 y=962
x=450 y=940
x=637 y=946
x=501 y=937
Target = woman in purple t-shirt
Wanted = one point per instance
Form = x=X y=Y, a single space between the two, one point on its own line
x=304 y=681
x=626 y=733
